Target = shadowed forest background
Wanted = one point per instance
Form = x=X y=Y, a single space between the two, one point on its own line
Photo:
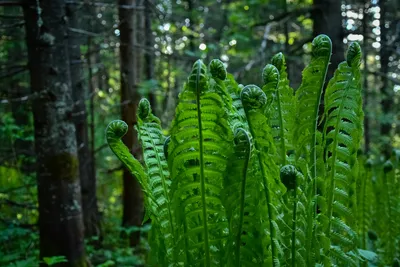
x=69 y=67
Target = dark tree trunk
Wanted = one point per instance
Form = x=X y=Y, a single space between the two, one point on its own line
x=132 y=195
x=86 y=171
x=367 y=135
x=327 y=17
x=59 y=192
x=386 y=91
x=149 y=54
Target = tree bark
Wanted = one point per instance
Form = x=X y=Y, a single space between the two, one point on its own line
x=327 y=17
x=86 y=170
x=149 y=54
x=386 y=91
x=59 y=192
x=367 y=135
x=132 y=195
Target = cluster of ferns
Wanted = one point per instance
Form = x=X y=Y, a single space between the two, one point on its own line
x=258 y=176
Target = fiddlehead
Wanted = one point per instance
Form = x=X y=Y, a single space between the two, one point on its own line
x=217 y=69
x=254 y=100
x=152 y=141
x=282 y=121
x=308 y=98
x=342 y=136
x=114 y=132
x=236 y=201
x=270 y=75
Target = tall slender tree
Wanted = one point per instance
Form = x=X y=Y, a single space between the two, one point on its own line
x=385 y=90
x=79 y=94
x=59 y=191
x=132 y=195
x=149 y=53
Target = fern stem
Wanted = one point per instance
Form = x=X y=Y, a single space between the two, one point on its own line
x=281 y=130
x=267 y=197
x=311 y=234
x=270 y=214
x=242 y=202
x=364 y=196
x=294 y=228
x=202 y=178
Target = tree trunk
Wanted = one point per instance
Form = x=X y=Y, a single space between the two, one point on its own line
x=367 y=135
x=327 y=17
x=386 y=91
x=149 y=52
x=86 y=171
x=59 y=192
x=132 y=195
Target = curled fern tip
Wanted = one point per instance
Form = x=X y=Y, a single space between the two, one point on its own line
x=217 y=69
x=354 y=55
x=288 y=175
x=322 y=46
x=278 y=60
x=116 y=129
x=253 y=97
x=144 y=108
x=270 y=74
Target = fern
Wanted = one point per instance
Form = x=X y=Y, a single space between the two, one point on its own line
x=213 y=188
x=152 y=141
x=240 y=197
x=283 y=106
x=342 y=136
x=197 y=157
x=305 y=134
x=254 y=101
x=114 y=132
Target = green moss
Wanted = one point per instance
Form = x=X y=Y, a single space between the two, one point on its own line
x=63 y=166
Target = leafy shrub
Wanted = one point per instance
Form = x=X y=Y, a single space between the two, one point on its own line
x=246 y=178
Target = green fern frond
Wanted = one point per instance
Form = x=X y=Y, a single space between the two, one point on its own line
x=114 y=132
x=197 y=158
x=285 y=104
x=274 y=110
x=343 y=128
x=308 y=98
x=152 y=141
x=254 y=101
x=240 y=198
x=342 y=136
x=270 y=76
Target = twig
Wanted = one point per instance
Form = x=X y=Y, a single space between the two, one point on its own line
x=282 y=16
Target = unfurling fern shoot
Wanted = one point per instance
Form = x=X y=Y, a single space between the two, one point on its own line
x=254 y=101
x=308 y=98
x=342 y=136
